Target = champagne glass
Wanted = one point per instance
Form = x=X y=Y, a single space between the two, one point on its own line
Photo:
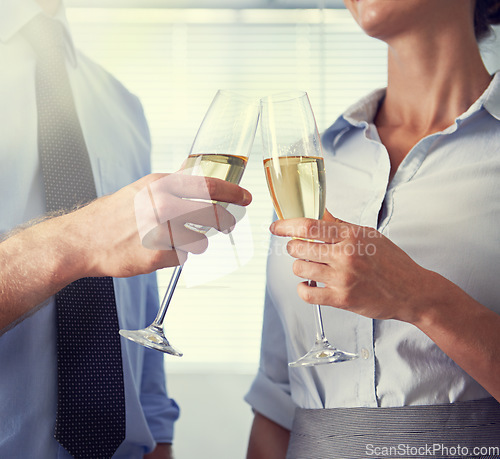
x=220 y=150
x=295 y=175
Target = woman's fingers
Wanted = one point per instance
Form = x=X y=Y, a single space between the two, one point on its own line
x=310 y=270
x=315 y=295
x=308 y=250
x=308 y=228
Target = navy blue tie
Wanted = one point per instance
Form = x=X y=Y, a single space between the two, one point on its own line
x=90 y=421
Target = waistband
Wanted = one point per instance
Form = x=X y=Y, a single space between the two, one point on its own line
x=457 y=430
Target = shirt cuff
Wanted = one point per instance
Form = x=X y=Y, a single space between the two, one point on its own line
x=161 y=414
x=271 y=400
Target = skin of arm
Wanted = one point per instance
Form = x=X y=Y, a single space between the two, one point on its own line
x=162 y=451
x=101 y=239
x=268 y=440
x=380 y=281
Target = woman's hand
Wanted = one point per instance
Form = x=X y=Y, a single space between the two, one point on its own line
x=362 y=271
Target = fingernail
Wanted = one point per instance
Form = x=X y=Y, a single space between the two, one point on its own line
x=247 y=197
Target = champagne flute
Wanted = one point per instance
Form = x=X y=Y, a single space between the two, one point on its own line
x=220 y=150
x=295 y=175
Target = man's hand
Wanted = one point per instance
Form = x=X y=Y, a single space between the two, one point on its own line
x=162 y=451
x=102 y=239
x=110 y=227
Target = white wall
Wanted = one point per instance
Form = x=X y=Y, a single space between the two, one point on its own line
x=215 y=421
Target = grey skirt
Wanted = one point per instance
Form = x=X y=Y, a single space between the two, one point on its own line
x=457 y=430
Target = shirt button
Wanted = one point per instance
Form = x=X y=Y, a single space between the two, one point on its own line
x=365 y=353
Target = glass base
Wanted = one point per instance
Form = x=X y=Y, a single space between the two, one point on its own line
x=322 y=353
x=152 y=337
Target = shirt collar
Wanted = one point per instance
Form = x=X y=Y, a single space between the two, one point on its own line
x=490 y=99
x=15 y=14
x=359 y=115
x=363 y=112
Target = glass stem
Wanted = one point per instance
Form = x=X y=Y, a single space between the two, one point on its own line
x=158 y=322
x=320 y=332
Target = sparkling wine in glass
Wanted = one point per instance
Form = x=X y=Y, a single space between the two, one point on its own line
x=295 y=175
x=220 y=150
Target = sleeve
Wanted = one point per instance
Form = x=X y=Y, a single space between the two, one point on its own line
x=161 y=412
x=270 y=391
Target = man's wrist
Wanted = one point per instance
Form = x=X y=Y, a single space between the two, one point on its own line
x=67 y=243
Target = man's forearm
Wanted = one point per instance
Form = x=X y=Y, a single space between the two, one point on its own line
x=35 y=263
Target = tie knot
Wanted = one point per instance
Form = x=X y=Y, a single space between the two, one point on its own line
x=45 y=35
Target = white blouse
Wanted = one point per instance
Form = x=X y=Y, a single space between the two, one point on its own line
x=443 y=209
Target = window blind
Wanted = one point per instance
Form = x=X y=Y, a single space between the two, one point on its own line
x=175 y=60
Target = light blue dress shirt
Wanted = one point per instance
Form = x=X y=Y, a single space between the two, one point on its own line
x=442 y=208
x=118 y=142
